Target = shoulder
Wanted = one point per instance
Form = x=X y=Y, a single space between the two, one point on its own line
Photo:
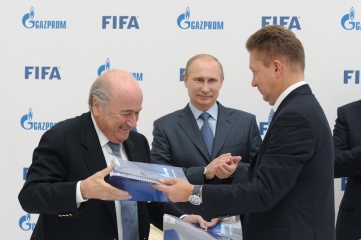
x=236 y=113
x=72 y=124
x=171 y=116
x=350 y=106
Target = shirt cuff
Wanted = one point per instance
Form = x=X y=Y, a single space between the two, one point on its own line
x=79 y=197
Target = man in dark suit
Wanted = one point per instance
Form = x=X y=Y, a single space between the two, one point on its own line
x=347 y=144
x=66 y=182
x=290 y=195
x=177 y=138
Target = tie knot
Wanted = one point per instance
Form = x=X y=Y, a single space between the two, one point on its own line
x=205 y=116
x=115 y=148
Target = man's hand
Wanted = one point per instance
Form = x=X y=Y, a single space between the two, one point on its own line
x=202 y=223
x=177 y=191
x=223 y=166
x=225 y=170
x=94 y=187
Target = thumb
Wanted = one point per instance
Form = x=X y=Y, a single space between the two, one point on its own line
x=107 y=170
x=169 y=181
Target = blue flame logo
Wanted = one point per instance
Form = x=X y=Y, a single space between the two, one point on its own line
x=104 y=68
x=26 y=122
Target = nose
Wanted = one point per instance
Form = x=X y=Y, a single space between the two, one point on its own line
x=205 y=87
x=253 y=83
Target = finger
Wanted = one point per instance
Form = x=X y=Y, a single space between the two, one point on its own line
x=106 y=170
x=171 y=181
x=236 y=159
x=213 y=222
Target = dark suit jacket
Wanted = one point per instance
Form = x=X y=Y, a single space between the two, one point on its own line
x=291 y=193
x=347 y=143
x=67 y=153
x=178 y=142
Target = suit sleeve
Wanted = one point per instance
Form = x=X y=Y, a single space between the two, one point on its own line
x=290 y=145
x=45 y=190
x=347 y=159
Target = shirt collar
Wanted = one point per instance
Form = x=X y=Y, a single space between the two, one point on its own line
x=213 y=111
x=285 y=94
x=102 y=138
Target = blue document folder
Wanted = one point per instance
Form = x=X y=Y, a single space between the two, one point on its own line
x=137 y=177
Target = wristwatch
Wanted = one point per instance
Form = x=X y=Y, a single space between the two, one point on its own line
x=194 y=198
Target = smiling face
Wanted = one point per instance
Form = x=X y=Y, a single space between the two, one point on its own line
x=264 y=78
x=121 y=114
x=203 y=81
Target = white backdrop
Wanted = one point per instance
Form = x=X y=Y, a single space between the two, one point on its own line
x=51 y=51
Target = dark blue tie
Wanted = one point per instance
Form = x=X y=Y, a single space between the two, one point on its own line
x=128 y=208
x=207 y=133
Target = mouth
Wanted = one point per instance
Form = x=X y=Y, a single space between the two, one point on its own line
x=125 y=129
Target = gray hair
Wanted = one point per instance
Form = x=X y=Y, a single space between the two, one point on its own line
x=100 y=90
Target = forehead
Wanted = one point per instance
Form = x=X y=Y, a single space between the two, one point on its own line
x=203 y=66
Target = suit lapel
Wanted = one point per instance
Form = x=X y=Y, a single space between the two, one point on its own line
x=94 y=157
x=302 y=90
x=189 y=125
x=225 y=123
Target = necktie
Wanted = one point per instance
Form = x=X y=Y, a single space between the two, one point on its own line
x=128 y=208
x=207 y=133
x=270 y=116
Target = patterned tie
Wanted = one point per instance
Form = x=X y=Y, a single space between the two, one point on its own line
x=270 y=116
x=128 y=208
x=207 y=133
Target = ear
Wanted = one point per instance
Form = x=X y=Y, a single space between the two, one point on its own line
x=277 y=66
x=185 y=80
x=95 y=107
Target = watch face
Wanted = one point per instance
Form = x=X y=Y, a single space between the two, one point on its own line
x=194 y=199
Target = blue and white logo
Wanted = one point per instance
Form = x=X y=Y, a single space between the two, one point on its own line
x=138 y=76
x=290 y=22
x=29 y=22
x=104 y=68
x=183 y=22
x=263 y=126
x=27 y=123
x=120 y=22
x=351 y=76
x=181 y=71
x=348 y=23
x=42 y=73
x=25 y=172
x=25 y=223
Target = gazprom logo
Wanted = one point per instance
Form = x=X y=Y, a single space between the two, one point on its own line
x=29 y=22
x=352 y=76
x=137 y=75
x=27 y=122
x=104 y=68
x=120 y=22
x=348 y=23
x=42 y=73
x=25 y=223
x=184 y=22
x=284 y=21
